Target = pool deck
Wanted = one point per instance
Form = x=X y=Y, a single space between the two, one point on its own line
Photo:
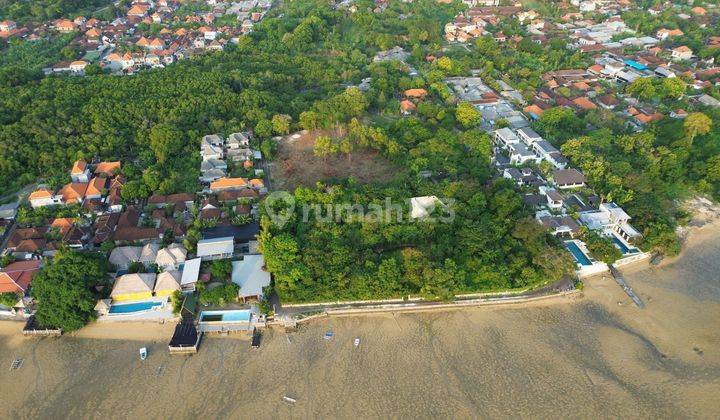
x=163 y=313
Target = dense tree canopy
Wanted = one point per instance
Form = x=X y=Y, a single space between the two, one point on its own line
x=64 y=289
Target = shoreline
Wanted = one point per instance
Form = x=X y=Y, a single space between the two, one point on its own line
x=581 y=355
x=692 y=235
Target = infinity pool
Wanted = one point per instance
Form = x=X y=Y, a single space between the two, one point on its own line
x=225 y=316
x=126 y=308
x=580 y=256
x=623 y=248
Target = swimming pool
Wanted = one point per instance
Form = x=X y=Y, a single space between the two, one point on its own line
x=623 y=248
x=240 y=315
x=580 y=256
x=126 y=308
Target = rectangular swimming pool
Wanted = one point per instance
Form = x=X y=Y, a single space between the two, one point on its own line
x=623 y=248
x=126 y=308
x=239 y=315
x=580 y=256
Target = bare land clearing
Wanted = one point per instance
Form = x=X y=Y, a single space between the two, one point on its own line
x=296 y=164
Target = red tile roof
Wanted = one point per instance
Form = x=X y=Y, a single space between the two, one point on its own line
x=16 y=277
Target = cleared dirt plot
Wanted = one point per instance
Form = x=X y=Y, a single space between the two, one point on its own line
x=296 y=164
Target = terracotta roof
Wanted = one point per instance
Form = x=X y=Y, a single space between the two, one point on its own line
x=229 y=195
x=584 y=103
x=228 y=183
x=608 y=100
x=581 y=86
x=533 y=109
x=96 y=186
x=63 y=224
x=104 y=227
x=172 y=198
x=30 y=245
x=138 y=9
x=40 y=193
x=669 y=32
x=129 y=218
x=65 y=24
x=406 y=105
x=22 y=234
x=135 y=234
x=645 y=118
x=78 y=167
x=107 y=168
x=415 y=93
x=74 y=191
x=16 y=277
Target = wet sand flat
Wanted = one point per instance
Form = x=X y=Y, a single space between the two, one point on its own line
x=597 y=355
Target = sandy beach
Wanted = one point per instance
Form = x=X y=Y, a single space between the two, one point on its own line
x=589 y=356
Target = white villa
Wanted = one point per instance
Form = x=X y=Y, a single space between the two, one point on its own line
x=610 y=218
x=251 y=276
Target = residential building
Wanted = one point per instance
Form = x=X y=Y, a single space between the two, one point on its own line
x=216 y=248
x=568 y=178
x=190 y=274
x=505 y=137
x=108 y=169
x=167 y=283
x=137 y=286
x=123 y=256
x=171 y=257
x=80 y=171
x=228 y=184
x=520 y=154
x=682 y=53
x=608 y=219
x=17 y=277
x=563 y=226
x=252 y=277
x=528 y=135
x=44 y=197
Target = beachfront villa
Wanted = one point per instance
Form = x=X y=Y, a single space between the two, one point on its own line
x=251 y=276
x=190 y=275
x=136 y=286
x=140 y=296
x=610 y=220
x=586 y=265
x=167 y=283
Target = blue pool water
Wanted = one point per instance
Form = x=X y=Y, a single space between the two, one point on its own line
x=577 y=253
x=623 y=248
x=126 y=308
x=225 y=316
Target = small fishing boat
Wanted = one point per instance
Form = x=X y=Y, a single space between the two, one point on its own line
x=356 y=342
x=143 y=353
x=289 y=399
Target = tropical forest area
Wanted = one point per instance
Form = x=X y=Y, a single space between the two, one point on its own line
x=299 y=69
